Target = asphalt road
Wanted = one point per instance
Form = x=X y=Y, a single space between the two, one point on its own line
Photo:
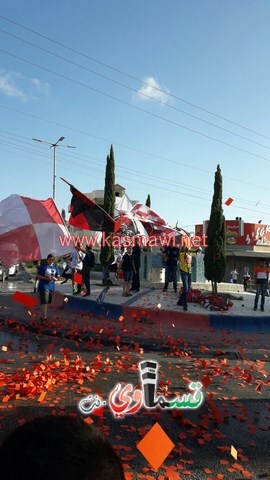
x=234 y=370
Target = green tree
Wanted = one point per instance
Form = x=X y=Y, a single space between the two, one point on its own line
x=107 y=253
x=148 y=201
x=215 y=252
x=109 y=190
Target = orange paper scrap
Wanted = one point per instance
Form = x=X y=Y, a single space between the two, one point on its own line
x=41 y=397
x=233 y=452
x=155 y=446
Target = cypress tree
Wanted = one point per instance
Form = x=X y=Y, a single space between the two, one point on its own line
x=109 y=191
x=215 y=252
x=148 y=201
x=107 y=253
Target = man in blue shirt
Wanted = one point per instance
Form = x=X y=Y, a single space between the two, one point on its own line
x=47 y=275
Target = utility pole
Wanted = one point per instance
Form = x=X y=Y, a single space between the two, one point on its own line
x=54 y=145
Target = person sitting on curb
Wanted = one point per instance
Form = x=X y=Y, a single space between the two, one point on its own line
x=128 y=268
x=59 y=448
x=261 y=276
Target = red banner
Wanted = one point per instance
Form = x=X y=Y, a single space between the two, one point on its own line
x=240 y=233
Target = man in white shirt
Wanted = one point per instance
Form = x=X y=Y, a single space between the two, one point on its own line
x=234 y=275
x=76 y=264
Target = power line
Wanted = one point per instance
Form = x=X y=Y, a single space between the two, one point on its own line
x=171 y=122
x=145 y=183
x=122 y=176
x=132 y=77
x=129 y=170
x=136 y=91
x=77 y=164
x=152 y=155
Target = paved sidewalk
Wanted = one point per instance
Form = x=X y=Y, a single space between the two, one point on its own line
x=155 y=305
x=154 y=298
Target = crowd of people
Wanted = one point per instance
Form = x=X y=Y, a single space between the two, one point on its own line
x=77 y=268
x=126 y=266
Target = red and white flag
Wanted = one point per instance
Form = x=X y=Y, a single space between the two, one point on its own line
x=30 y=230
x=152 y=223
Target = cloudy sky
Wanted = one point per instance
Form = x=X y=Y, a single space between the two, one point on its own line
x=176 y=87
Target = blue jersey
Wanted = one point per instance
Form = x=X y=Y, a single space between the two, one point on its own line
x=47 y=271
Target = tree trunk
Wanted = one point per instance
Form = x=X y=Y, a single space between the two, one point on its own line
x=214 y=286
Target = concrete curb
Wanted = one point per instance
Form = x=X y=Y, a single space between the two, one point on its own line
x=153 y=329
x=237 y=323
x=186 y=321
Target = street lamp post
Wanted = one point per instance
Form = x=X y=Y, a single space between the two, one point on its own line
x=54 y=145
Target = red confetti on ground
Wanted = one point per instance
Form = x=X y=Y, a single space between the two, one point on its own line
x=206 y=381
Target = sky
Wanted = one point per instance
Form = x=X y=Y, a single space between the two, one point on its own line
x=176 y=87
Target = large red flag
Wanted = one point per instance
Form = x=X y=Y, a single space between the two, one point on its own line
x=87 y=215
x=30 y=230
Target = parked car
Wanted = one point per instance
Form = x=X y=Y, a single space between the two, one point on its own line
x=3 y=272
x=13 y=270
